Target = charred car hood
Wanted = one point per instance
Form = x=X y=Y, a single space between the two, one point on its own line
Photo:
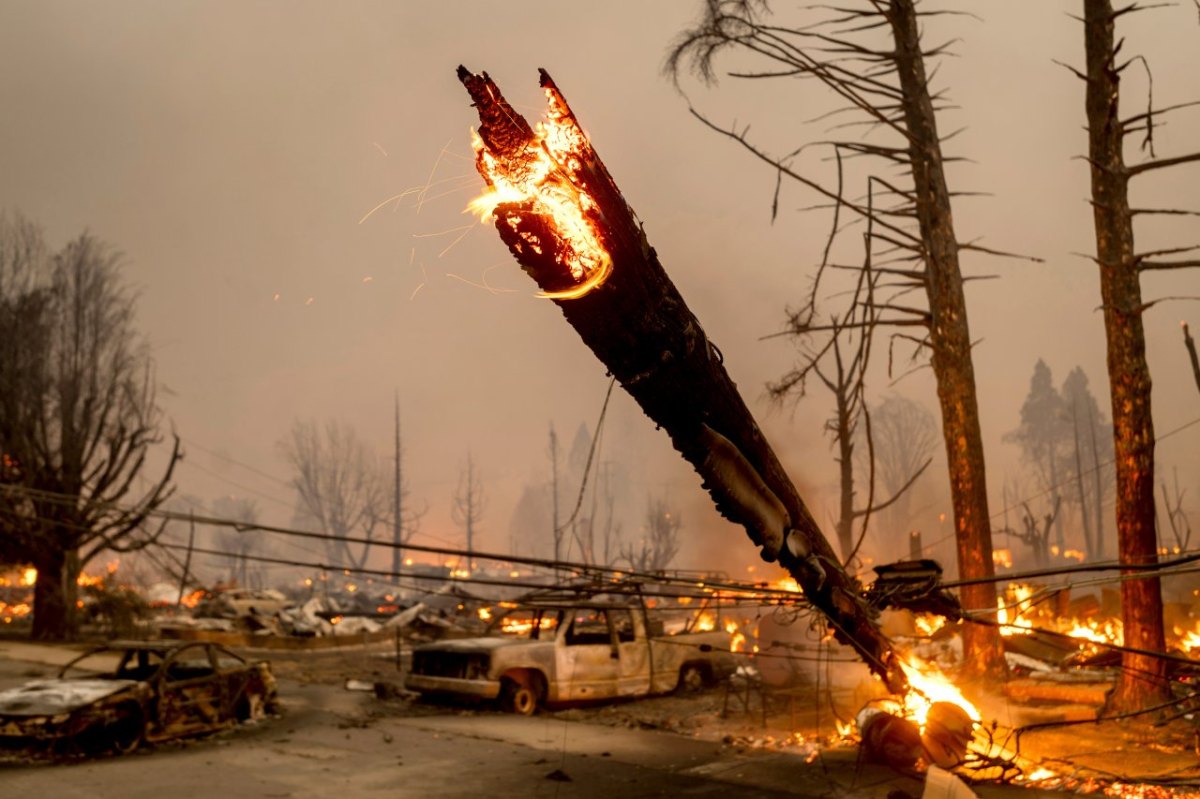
x=52 y=697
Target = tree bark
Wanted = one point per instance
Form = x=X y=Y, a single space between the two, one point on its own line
x=1143 y=677
x=641 y=329
x=950 y=344
x=55 y=594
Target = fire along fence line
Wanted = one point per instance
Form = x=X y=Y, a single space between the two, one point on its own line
x=987 y=622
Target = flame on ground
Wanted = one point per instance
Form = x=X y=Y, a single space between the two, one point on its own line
x=544 y=178
x=737 y=641
x=929 y=685
x=1014 y=604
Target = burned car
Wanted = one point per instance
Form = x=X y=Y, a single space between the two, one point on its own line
x=117 y=696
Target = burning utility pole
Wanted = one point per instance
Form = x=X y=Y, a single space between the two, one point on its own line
x=566 y=222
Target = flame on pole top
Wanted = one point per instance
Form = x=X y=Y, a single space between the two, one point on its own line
x=538 y=184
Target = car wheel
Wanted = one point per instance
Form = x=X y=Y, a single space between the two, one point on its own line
x=520 y=698
x=125 y=734
x=120 y=735
x=693 y=678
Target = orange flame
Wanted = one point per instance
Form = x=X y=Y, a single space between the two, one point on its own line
x=193 y=599
x=929 y=685
x=544 y=177
x=737 y=641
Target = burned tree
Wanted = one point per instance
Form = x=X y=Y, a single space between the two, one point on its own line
x=840 y=364
x=340 y=488
x=243 y=513
x=562 y=216
x=1035 y=534
x=1176 y=516
x=870 y=56
x=660 y=539
x=1091 y=441
x=904 y=437
x=469 y=502
x=1143 y=676
x=78 y=417
x=1042 y=436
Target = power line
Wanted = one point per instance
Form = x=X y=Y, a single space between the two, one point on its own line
x=236 y=462
x=590 y=587
x=235 y=484
x=548 y=563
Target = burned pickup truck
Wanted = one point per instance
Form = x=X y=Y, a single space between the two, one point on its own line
x=581 y=651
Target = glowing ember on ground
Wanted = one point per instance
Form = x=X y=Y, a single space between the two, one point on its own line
x=543 y=177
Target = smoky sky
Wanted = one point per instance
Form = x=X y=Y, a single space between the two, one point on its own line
x=233 y=150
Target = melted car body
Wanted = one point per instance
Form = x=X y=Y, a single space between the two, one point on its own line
x=115 y=697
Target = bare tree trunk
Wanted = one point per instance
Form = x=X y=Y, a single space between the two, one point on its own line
x=845 y=522
x=54 y=595
x=950 y=344
x=1143 y=677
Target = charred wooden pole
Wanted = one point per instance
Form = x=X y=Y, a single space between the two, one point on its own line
x=635 y=321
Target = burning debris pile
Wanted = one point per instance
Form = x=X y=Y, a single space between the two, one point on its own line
x=1062 y=649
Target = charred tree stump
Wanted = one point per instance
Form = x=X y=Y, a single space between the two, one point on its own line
x=567 y=224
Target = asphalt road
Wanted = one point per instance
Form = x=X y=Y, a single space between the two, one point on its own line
x=336 y=743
